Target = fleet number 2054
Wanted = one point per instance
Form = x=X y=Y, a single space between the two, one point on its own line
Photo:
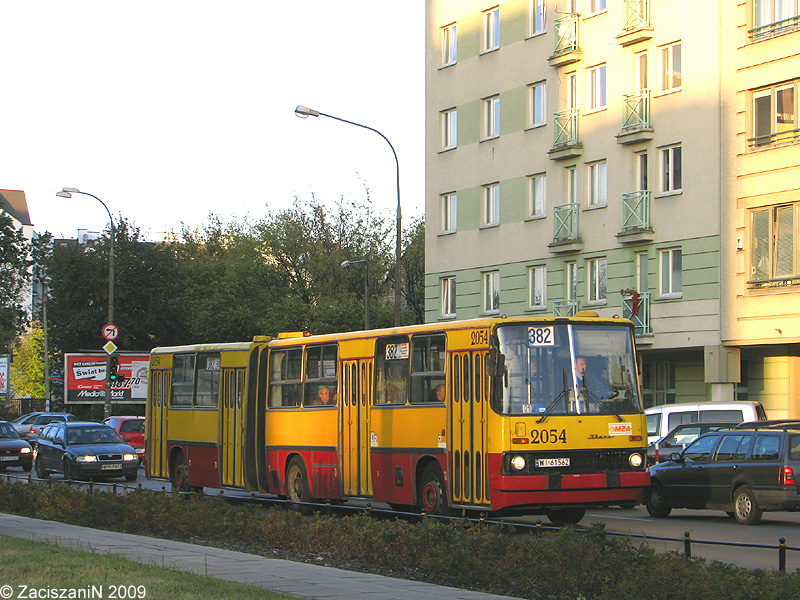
x=549 y=436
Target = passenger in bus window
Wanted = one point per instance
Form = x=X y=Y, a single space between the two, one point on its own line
x=325 y=396
x=439 y=393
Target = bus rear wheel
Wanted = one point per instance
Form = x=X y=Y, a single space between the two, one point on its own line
x=566 y=516
x=297 y=485
x=180 y=474
x=433 y=498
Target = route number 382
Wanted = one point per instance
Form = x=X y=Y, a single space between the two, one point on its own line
x=541 y=336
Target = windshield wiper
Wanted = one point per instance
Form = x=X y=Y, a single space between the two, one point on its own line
x=558 y=399
x=603 y=406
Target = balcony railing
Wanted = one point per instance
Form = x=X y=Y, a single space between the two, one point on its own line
x=565 y=308
x=636 y=211
x=636 y=111
x=636 y=14
x=636 y=307
x=565 y=132
x=565 y=225
x=774 y=139
x=777 y=28
x=566 y=29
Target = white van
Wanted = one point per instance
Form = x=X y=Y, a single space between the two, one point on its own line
x=663 y=419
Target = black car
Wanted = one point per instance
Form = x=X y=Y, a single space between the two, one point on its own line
x=680 y=437
x=14 y=452
x=84 y=451
x=741 y=471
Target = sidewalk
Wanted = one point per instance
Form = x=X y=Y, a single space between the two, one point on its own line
x=298 y=579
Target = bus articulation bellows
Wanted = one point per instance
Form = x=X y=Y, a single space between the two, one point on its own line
x=506 y=415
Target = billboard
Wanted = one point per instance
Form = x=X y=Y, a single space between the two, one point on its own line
x=4 y=369
x=85 y=379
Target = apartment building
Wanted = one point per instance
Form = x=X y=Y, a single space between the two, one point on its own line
x=605 y=155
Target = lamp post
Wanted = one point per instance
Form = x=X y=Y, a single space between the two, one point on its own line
x=304 y=112
x=346 y=264
x=67 y=193
x=43 y=281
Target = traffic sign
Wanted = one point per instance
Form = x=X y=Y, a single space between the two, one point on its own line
x=110 y=331
x=110 y=347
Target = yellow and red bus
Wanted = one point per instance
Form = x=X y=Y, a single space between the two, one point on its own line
x=507 y=415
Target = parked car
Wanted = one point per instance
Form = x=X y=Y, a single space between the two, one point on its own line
x=680 y=437
x=23 y=424
x=84 y=451
x=664 y=418
x=43 y=419
x=131 y=429
x=740 y=471
x=14 y=452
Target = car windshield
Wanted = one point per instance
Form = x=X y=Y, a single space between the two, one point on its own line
x=7 y=432
x=93 y=434
x=543 y=366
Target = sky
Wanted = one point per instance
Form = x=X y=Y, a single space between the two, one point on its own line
x=169 y=110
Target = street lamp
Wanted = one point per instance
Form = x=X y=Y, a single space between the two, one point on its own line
x=304 y=112
x=44 y=280
x=346 y=264
x=67 y=193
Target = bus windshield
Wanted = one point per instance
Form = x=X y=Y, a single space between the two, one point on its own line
x=565 y=369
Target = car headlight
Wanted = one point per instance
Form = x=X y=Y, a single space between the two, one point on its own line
x=635 y=460
x=88 y=458
x=130 y=457
x=24 y=450
x=518 y=463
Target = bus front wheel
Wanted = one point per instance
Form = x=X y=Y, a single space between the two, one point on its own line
x=566 y=516
x=433 y=498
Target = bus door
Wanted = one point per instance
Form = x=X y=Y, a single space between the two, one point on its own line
x=468 y=429
x=231 y=428
x=156 y=432
x=355 y=427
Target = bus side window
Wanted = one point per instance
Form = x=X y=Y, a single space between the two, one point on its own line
x=427 y=369
x=285 y=386
x=320 y=383
x=392 y=366
x=182 y=379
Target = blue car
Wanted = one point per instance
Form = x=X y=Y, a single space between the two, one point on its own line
x=83 y=451
x=14 y=452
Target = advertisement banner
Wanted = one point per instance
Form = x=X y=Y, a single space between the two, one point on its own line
x=85 y=379
x=4 y=363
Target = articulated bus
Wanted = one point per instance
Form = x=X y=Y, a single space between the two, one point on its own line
x=502 y=415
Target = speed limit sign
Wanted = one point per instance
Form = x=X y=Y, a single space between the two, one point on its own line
x=110 y=331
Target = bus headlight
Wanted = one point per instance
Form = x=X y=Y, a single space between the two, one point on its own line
x=518 y=463
x=635 y=460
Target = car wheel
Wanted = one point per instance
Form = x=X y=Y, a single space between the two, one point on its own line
x=69 y=471
x=41 y=472
x=27 y=468
x=656 y=502
x=180 y=474
x=297 y=484
x=131 y=477
x=745 y=508
x=565 y=516
x=433 y=497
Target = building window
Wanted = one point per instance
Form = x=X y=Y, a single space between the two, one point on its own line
x=774 y=16
x=449 y=211
x=491 y=292
x=571 y=281
x=671 y=281
x=775 y=115
x=537 y=17
x=448 y=297
x=537 y=186
x=491 y=117
x=671 y=171
x=597 y=87
x=537 y=286
x=538 y=104
x=773 y=258
x=596 y=6
x=597 y=279
x=491 y=29
x=640 y=70
x=449 y=45
x=642 y=271
x=641 y=171
x=658 y=384
x=670 y=60
x=572 y=184
x=598 y=184
x=449 y=129
x=491 y=205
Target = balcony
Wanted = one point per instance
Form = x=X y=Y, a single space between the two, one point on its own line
x=774 y=29
x=636 y=307
x=636 y=25
x=566 y=50
x=565 y=229
x=636 y=227
x=566 y=142
x=636 y=126
x=565 y=308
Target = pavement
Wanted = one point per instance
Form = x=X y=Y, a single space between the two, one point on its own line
x=297 y=579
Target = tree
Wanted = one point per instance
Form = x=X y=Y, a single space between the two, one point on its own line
x=27 y=370
x=14 y=264
x=414 y=269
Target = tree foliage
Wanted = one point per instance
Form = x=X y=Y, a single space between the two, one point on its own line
x=27 y=370
x=14 y=265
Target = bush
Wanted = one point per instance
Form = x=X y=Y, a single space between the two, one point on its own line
x=494 y=558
